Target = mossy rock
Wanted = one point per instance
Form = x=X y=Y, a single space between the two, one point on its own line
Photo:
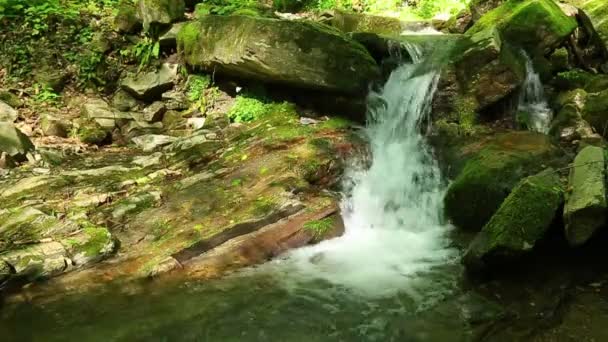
x=10 y=99
x=160 y=13
x=295 y=53
x=92 y=245
x=13 y=142
x=522 y=220
x=577 y=78
x=494 y=167
x=596 y=112
x=358 y=22
x=597 y=12
x=586 y=205
x=90 y=132
x=480 y=7
x=126 y=19
x=531 y=24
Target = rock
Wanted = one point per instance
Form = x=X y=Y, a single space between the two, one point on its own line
x=196 y=123
x=136 y=202
x=585 y=209
x=560 y=60
x=151 y=142
x=126 y=17
x=151 y=85
x=14 y=143
x=460 y=22
x=296 y=53
x=359 y=22
x=137 y=128
x=10 y=99
x=154 y=112
x=7 y=113
x=164 y=266
x=175 y=100
x=492 y=169
x=149 y=160
x=522 y=220
x=91 y=132
x=569 y=125
x=123 y=101
x=595 y=11
x=168 y=40
x=160 y=12
x=38 y=261
x=52 y=126
x=174 y=120
x=537 y=25
x=5 y=272
x=577 y=78
x=52 y=78
x=99 y=111
x=479 y=8
x=92 y=245
x=595 y=111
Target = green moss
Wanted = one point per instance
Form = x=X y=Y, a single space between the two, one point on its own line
x=520 y=222
x=95 y=243
x=90 y=132
x=336 y=122
x=263 y=206
x=319 y=228
x=247 y=109
x=595 y=112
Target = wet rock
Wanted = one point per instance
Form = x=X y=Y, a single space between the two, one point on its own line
x=126 y=19
x=494 y=166
x=53 y=126
x=151 y=142
x=150 y=86
x=123 y=101
x=7 y=113
x=38 y=261
x=160 y=13
x=164 y=266
x=585 y=209
x=460 y=22
x=296 y=53
x=513 y=20
x=522 y=220
x=92 y=245
x=14 y=143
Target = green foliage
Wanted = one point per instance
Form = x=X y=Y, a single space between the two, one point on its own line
x=247 y=109
x=196 y=87
x=227 y=7
x=289 y=5
x=145 y=51
x=319 y=227
x=44 y=94
x=427 y=9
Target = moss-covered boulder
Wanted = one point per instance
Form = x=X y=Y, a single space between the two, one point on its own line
x=150 y=86
x=531 y=24
x=358 y=22
x=585 y=209
x=521 y=221
x=7 y=113
x=595 y=112
x=160 y=12
x=480 y=7
x=13 y=142
x=92 y=245
x=495 y=165
x=126 y=19
x=597 y=12
x=53 y=126
x=91 y=132
x=296 y=53
x=569 y=126
x=577 y=78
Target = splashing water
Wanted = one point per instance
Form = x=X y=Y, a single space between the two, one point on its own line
x=392 y=209
x=532 y=101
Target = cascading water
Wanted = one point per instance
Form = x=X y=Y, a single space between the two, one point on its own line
x=392 y=206
x=532 y=106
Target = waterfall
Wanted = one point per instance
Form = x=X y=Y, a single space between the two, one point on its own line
x=533 y=110
x=392 y=203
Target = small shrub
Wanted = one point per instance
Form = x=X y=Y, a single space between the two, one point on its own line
x=197 y=85
x=319 y=228
x=247 y=109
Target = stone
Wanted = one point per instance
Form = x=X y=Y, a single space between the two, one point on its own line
x=154 y=112
x=168 y=40
x=54 y=127
x=595 y=111
x=14 y=143
x=52 y=78
x=175 y=100
x=359 y=22
x=92 y=245
x=38 y=261
x=164 y=266
x=100 y=111
x=123 y=101
x=10 y=99
x=7 y=113
x=153 y=159
x=5 y=272
x=460 y=22
x=196 y=123
x=595 y=11
x=151 y=142
x=492 y=169
x=479 y=8
x=522 y=220
x=537 y=25
x=91 y=132
x=126 y=19
x=174 y=120
x=150 y=86
x=294 y=53
x=585 y=209
x=160 y=13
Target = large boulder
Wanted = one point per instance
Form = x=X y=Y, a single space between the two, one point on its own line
x=585 y=209
x=479 y=8
x=493 y=166
x=7 y=113
x=14 y=143
x=126 y=19
x=100 y=111
x=150 y=86
x=521 y=221
x=296 y=53
x=537 y=25
x=596 y=11
x=569 y=126
x=358 y=22
x=160 y=12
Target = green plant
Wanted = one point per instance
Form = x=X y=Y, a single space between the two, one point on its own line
x=247 y=109
x=319 y=228
x=145 y=51
x=197 y=84
x=45 y=94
